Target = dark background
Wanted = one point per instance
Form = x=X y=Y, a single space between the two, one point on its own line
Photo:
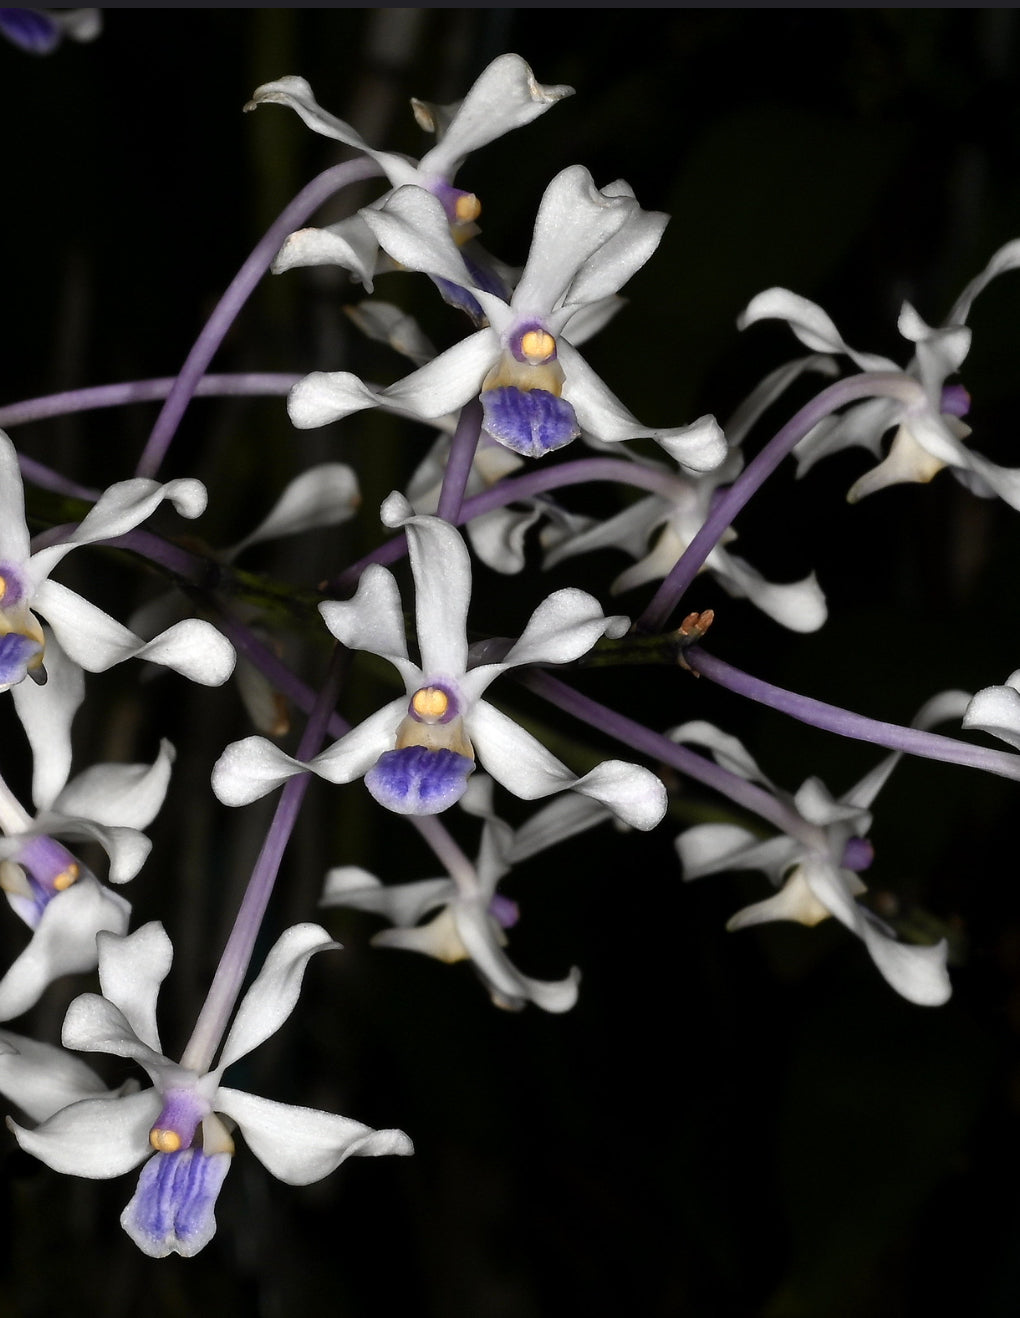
x=741 y=1125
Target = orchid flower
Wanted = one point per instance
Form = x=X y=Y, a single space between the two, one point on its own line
x=504 y=97
x=177 y=1123
x=816 y=865
x=674 y=517
x=472 y=916
x=92 y=638
x=58 y=897
x=926 y=439
x=537 y=391
x=417 y=751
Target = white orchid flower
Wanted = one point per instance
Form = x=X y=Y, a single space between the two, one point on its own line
x=504 y=97
x=472 y=916
x=817 y=872
x=92 y=638
x=58 y=897
x=926 y=439
x=673 y=518
x=416 y=752
x=537 y=391
x=177 y=1123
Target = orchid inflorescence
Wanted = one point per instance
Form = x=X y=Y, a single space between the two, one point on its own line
x=518 y=421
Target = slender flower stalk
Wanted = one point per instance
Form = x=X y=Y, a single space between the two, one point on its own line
x=583 y=471
x=689 y=564
x=458 y=467
x=927 y=745
x=250 y=384
x=229 y=976
x=308 y=200
x=639 y=738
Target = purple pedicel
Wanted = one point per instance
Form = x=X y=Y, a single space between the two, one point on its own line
x=531 y=422
x=419 y=781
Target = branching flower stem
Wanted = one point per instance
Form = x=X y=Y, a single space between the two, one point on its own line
x=637 y=737
x=580 y=472
x=689 y=564
x=251 y=384
x=928 y=745
x=293 y=215
x=229 y=977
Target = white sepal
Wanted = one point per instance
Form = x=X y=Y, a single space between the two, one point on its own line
x=299 y=1145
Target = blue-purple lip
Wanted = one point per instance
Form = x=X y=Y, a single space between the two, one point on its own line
x=173 y=1208
x=418 y=781
x=532 y=422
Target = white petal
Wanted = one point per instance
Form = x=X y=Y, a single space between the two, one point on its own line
x=46 y=714
x=296 y=93
x=372 y=620
x=918 y=974
x=439 y=387
x=503 y=97
x=441 y=567
x=99 y=1137
x=120 y=509
x=608 y=269
x=996 y=710
x=810 y=324
x=1006 y=258
x=794 y=901
x=700 y=446
x=349 y=244
x=727 y=750
x=564 y=627
x=95 y=641
x=411 y=226
x=507 y=986
x=41 y=1079
x=325 y=495
x=524 y=767
x=560 y=819
x=130 y=972
x=799 y=605
x=400 y=903
x=93 y=1024
x=634 y=794
x=708 y=848
x=274 y=993
x=386 y=323
x=127 y=848
x=354 y=754
x=574 y=220
x=14 y=540
x=513 y=757
x=63 y=943
x=250 y=769
x=119 y=795
x=299 y=1144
